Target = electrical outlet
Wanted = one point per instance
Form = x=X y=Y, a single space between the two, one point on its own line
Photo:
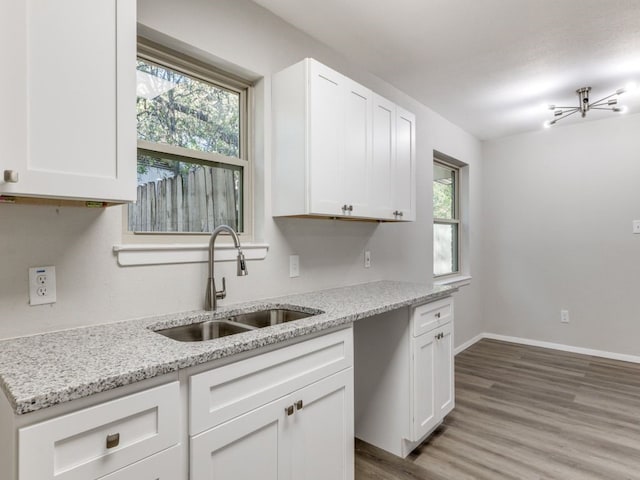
x=367 y=259
x=294 y=266
x=42 y=285
x=564 y=316
x=636 y=226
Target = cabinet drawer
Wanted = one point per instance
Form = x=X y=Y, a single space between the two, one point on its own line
x=82 y=445
x=226 y=392
x=431 y=315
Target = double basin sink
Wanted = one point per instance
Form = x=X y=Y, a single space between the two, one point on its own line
x=231 y=325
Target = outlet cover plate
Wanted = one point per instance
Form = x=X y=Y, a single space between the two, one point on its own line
x=42 y=285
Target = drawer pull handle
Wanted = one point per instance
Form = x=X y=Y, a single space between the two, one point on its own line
x=113 y=440
x=289 y=410
x=438 y=315
x=299 y=405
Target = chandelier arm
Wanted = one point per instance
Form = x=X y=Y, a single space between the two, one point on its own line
x=575 y=110
x=566 y=108
x=601 y=108
x=592 y=104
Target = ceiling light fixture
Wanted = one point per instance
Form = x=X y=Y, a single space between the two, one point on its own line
x=606 y=103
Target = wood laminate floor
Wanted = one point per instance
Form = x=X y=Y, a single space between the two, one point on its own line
x=527 y=413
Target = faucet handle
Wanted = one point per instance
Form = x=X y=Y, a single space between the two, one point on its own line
x=222 y=293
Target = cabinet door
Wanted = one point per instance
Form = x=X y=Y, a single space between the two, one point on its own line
x=355 y=165
x=251 y=446
x=383 y=158
x=445 y=385
x=322 y=440
x=404 y=180
x=326 y=149
x=75 y=107
x=423 y=376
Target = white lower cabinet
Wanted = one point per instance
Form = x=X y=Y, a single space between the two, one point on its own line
x=283 y=414
x=433 y=386
x=404 y=371
x=305 y=435
x=94 y=442
x=297 y=421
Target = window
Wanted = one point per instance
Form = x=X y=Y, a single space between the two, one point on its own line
x=193 y=171
x=446 y=218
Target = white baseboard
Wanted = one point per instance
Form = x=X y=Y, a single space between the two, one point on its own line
x=555 y=346
x=468 y=343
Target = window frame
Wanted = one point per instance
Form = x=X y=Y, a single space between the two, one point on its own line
x=450 y=221
x=151 y=52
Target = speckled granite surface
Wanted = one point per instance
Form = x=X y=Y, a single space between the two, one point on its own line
x=43 y=370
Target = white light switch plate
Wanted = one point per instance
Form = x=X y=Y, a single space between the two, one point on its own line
x=42 y=285
x=636 y=226
x=367 y=259
x=294 y=266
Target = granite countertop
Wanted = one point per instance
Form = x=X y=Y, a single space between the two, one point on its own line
x=43 y=370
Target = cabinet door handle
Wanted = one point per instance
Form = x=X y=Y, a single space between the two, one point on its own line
x=350 y=208
x=113 y=440
x=11 y=176
x=289 y=410
x=299 y=405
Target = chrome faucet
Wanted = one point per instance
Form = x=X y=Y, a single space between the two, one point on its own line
x=213 y=295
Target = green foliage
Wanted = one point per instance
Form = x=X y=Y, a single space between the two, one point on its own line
x=193 y=114
x=442 y=200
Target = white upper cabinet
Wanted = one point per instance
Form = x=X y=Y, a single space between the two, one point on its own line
x=334 y=147
x=69 y=131
x=383 y=158
x=392 y=177
x=404 y=178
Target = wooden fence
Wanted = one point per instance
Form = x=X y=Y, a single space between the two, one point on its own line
x=197 y=201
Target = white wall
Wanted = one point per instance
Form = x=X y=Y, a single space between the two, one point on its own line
x=92 y=288
x=558 y=206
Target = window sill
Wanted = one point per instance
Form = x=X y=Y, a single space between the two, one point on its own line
x=159 y=254
x=455 y=281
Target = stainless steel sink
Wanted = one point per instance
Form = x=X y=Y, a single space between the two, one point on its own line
x=242 y=322
x=266 y=318
x=199 y=332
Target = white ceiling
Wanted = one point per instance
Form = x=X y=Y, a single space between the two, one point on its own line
x=489 y=66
